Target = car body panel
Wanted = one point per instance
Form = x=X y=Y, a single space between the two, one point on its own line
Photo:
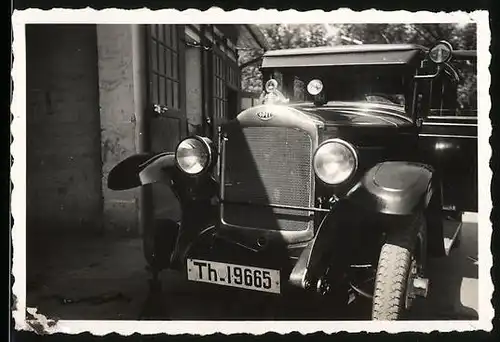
x=357 y=114
x=277 y=115
x=450 y=143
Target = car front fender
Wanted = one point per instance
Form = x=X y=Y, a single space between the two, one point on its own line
x=395 y=188
x=331 y=241
x=166 y=241
x=144 y=168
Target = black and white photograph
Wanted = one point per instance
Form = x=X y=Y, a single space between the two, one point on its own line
x=189 y=172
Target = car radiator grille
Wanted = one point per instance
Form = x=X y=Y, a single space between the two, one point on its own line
x=268 y=165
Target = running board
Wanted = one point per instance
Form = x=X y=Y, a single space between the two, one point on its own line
x=451 y=234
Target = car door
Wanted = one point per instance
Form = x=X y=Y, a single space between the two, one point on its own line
x=448 y=139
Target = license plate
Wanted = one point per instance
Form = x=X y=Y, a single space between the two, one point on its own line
x=247 y=277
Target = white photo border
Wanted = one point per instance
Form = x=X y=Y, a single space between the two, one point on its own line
x=213 y=16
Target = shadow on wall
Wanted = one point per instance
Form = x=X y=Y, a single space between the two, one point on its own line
x=63 y=130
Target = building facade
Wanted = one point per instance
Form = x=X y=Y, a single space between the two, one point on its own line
x=97 y=94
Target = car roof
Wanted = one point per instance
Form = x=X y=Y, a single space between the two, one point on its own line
x=344 y=49
x=364 y=54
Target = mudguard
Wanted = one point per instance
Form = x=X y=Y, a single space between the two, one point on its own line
x=396 y=188
x=142 y=169
x=331 y=241
x=404 y=188
x=194 y=195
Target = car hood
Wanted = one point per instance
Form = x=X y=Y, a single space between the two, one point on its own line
x=356 y=114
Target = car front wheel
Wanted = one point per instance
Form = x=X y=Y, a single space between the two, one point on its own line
x=398 y=267
x=395 y=273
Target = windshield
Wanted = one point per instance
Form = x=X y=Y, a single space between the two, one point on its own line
x=375 y=84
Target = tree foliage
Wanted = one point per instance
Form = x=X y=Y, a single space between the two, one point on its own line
x=283 y=36
x=460 y=36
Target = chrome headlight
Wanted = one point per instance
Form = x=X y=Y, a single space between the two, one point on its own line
x=335 y=161
x=441 y=52
x=194 y=155
x=314 y=87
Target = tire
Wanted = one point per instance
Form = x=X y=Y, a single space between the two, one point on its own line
x=391 y=283
x=397 y=259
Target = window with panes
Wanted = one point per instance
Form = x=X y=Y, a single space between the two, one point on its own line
x=226 y=78
x=166 y=86
x=219 y=88
x=164 y=66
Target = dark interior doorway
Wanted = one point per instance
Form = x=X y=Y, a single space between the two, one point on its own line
x=232 y=103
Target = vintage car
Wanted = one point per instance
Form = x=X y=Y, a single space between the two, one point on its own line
x=355 y=168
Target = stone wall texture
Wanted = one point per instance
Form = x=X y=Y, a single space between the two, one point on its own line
x=118 y=122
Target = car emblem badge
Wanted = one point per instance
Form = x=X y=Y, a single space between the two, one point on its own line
x=265 y=115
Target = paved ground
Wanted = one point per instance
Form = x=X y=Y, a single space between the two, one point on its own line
x=106 y=279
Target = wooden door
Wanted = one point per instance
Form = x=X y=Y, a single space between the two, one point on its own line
x=166 y=86
x=166 y=89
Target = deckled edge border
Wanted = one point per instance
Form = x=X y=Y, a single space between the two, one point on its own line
x=217 y=15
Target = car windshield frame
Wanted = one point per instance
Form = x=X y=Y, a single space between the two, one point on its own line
x=343 y=79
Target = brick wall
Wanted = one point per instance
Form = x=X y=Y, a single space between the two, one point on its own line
x=63 y=149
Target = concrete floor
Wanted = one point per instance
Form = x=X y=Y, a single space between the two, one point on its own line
x=105 y=279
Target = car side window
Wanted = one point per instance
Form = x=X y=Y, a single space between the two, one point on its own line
x=422 y=100
x=467 y=87
x=455 y=94
x=443 y=96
